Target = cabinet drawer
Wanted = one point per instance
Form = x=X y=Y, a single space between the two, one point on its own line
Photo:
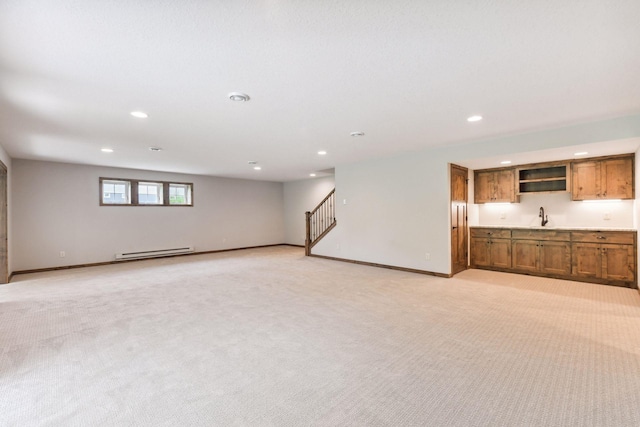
x=497 y=233
x=564 y=236
x=619 y=237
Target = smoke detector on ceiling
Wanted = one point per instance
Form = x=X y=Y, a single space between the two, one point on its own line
x=239 y=97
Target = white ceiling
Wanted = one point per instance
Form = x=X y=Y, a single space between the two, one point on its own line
x=406 y=72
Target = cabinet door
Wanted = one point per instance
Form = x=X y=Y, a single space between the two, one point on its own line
x=483 y=191
x=618 y=262
x=585 y=260
x=480 y=251
x=505 y=186
x=500 y=253
x=525 y=255
x=585 y=180
x=555 y=257
x=616 y=176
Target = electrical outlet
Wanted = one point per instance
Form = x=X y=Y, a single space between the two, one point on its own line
x=607 y=215
x=62 y=254
x=427 y=256
x=344 y=201
x=503 y=215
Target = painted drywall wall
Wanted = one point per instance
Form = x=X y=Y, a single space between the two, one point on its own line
x=562 y=212
x=56 y=208
x=300 y=197
x=392 y=211
x=4 y=157
x=397 y=208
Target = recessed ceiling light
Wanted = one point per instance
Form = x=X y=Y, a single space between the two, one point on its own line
x=358 y=133
x=505 y=162
x=139 y=114
x=155 y=149
x=312 y=174
x=322 y=153
x=239 y=97
x=474 y=118
x=581 y=153
x=107 y=150
x=257 y=168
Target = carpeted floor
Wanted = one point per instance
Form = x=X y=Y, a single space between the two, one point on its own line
x=268 y=337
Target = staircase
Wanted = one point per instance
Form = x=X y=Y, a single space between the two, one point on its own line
x=320 y=221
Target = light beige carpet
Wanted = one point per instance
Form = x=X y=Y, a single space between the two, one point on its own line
x=267 y=337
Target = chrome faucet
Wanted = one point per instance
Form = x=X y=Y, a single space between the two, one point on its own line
x=545 y=218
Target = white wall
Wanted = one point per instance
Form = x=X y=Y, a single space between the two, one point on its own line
x=398 y=208
x=300 y=197
x=396 y=211
x=561 y=210
x=56 y=208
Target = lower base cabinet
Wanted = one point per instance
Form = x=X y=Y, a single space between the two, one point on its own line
x=607 y=257
x=549 y=257
x=604 y=261
x=490 y=248
x=492 y=252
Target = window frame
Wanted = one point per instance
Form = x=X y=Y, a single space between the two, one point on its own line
x=102 y=192
x=159 y=185
x=133 y=189
x=188 y=193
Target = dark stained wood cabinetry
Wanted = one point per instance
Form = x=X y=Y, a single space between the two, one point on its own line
x=604 y=255
x=491 y=248
x=603 y=178
x=607 y=257
x=541 y=251
x=597 y=178
x=494 y=186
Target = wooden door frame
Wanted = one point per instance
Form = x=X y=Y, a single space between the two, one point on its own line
x=453 y=166
x=4 y=210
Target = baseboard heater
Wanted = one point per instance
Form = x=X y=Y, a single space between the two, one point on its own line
x=153 y=254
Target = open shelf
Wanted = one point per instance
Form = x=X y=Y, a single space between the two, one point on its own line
x=542 y=179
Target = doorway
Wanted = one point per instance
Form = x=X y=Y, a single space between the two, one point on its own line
x=459 y=186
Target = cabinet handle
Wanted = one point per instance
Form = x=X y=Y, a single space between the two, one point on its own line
x=600 y=237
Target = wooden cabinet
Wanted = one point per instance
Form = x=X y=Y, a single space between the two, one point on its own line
x=546 y=252
x=491 y=248
x=607 y=256
x=603 y=178
x=494 y=186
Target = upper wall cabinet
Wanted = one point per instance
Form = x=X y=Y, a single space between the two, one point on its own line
x=494 y=186
x=603 y=178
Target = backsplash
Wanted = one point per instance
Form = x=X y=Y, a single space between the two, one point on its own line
x=561 y=210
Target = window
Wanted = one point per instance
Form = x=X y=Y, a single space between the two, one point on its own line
x=132 y=192
x=180 y=194
x=150 y=193
x=116 y=192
